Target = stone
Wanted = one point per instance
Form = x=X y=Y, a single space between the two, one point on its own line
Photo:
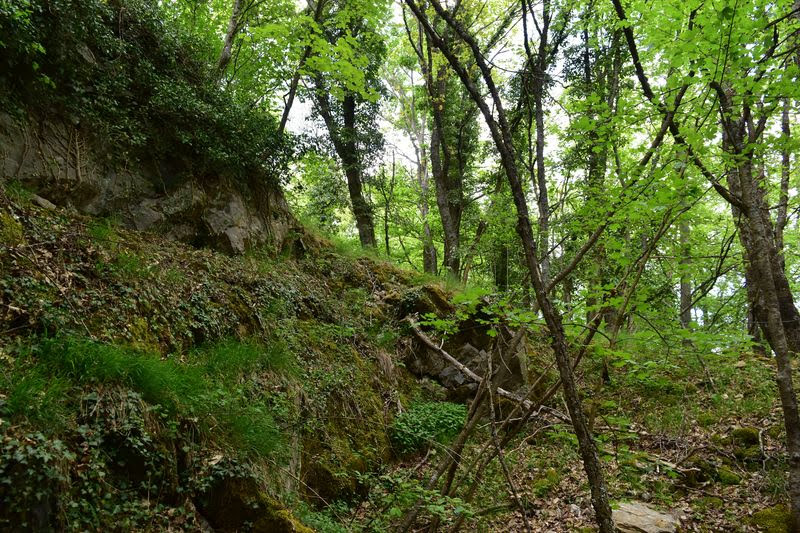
x=745 y=436
x=638 y=517
x=154 y=194
x=772 y=519
x=43 y=202
x=726 y=476
x=237 y=504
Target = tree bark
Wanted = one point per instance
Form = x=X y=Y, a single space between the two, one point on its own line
x=230 y=35
x=783 y=201
x=448 y=194
x=344 y=142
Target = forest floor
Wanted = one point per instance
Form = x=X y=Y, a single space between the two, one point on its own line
x=710 y=454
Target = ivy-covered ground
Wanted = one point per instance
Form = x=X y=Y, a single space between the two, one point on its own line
x=146 y=385
x=143 y=379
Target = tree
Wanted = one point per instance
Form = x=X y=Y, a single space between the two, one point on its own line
x=503 y=139
x=743 y=116
x=453 y=137
x=343 y=74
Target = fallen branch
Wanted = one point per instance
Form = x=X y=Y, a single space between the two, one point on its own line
x=461 y=366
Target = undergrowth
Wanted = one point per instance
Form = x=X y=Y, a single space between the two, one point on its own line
x=43 y=378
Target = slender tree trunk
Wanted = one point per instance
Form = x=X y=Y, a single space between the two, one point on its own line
x=763 y=264
x=344 y=142
x=447 y=199
x=770 y=288
x=230 y=35
x=470 y=256
x=352 y=169
x=686 y=286
x=783 y=201
x=542 y=201
x=501 y=268
x=429 y=260
x=440 y=167
x=502 y=137
x=289 y=100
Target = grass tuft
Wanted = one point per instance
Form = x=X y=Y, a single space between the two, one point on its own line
x=208 y=392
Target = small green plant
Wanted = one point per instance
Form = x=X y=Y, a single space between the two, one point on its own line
x=427 y=423
x=103 y=230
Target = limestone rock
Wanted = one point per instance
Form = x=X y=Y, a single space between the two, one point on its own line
x=72 y=169
x=637 y=517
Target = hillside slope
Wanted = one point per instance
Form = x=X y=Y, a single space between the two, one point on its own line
x=154 y=385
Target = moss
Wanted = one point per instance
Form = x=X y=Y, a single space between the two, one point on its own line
x=277 y=519
x=720 y=440
x=748 y=454
x=543 y=485
x=707 y=503
x=727 y=476
x=772 y=519
x=745 y=436
x=11 y=233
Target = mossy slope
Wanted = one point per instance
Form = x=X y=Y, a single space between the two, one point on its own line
x=137 y=372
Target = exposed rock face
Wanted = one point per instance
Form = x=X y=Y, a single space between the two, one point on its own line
x=63 y=167
x=637 y=517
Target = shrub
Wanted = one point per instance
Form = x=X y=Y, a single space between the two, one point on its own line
x=120 y=73
x=426 y=423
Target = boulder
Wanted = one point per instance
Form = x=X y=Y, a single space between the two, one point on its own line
x=772 y=519
x=237 y=504
x=745 y=436
x=637 y=517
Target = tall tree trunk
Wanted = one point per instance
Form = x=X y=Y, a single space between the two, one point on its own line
x=473 y=248
x=770 y=293
x=440 y=168
x=448 y=198
x=542 y=201
x=230 y=35
x=756 y=233
x=353 y=169
x=783 y=201
x=344 y=142
x=429 y=260
x=503 y=140
x=501 y=268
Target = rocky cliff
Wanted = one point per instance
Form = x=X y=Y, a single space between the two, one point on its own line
x=69 y=168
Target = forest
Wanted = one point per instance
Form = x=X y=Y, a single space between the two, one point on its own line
x=399 y=265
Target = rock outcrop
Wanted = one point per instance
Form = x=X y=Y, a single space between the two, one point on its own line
x=65 y=168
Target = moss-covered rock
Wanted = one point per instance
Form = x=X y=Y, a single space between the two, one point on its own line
x=749 y=454
x=11 y=233
x=697 y=471
x=745 y=436
x=726 y=476
x=772 y=519
x=233 y=503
